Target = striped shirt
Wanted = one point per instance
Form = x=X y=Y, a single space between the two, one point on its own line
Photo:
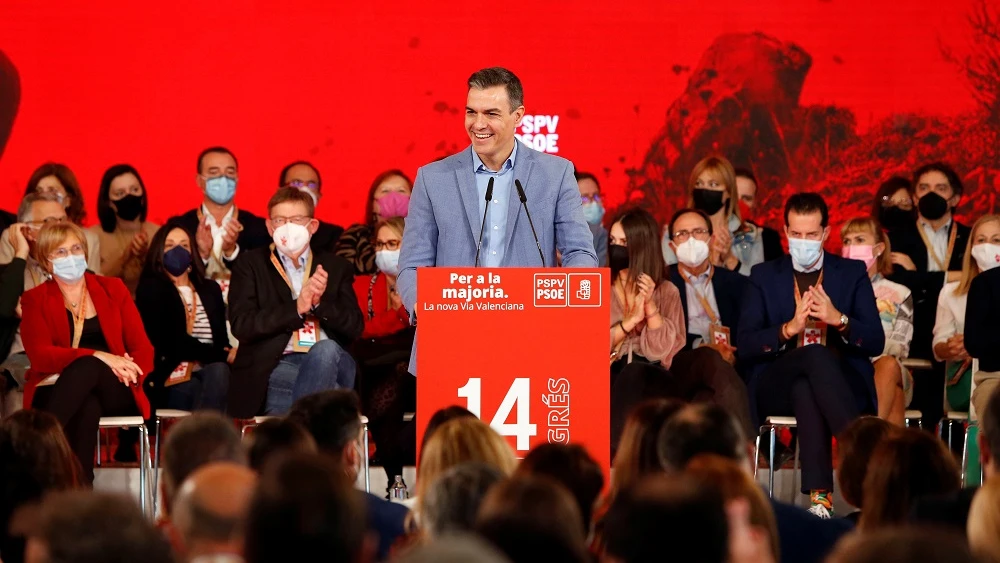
x=202 y=328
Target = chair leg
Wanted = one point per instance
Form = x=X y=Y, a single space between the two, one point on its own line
x=796 y=477
x=98 y=447
x=143 y=458
x=364 y=454
x=156 y=468
x=756 y=454
x=770 y=464
x=965 y=452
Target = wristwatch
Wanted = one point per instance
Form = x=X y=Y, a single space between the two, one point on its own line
x=843 y=322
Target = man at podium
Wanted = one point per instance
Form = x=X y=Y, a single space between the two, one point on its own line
x=533 y=208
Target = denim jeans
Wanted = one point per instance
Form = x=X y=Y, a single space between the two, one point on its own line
x=207 y=389
x=325 y=366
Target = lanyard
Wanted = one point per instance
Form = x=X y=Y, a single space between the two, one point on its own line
x=190 y=309
x=79 y=318
x=943 y=266
x=284 y=274
x=689 y=279
x=371 y=302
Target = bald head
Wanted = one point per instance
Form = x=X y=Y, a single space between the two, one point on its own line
x=210 y=505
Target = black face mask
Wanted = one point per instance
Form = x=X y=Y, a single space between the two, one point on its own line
x=932 y=206
x=617 y=257
x=129 y=207
x=894 y=218
x=709 y=201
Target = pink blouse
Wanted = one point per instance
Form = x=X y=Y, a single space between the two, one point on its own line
x=660 y=344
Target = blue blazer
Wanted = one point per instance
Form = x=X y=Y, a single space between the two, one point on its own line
x=769 y=302
x=443 y=221
x=729 y=287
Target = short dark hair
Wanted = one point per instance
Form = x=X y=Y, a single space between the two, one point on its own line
x=805 y=203
x=304 y=506
x=333 y=418
x=741 y=172
x=104 y=211
x=440 y=417
x=586 y=176
x=499 y=76
x=886 y=189
x=667 y=511
x=954 y=180
x=855 y=446
x=571 y=465
x=700 y=429
x=275 y=437
x=220 y=150
x=452 y=501
x=989 y=426
x=291 y=195
x=685 y=211
x=645 y=250
x=154 y=256
x=86 y=526
x=284 y=172
x=195 y=441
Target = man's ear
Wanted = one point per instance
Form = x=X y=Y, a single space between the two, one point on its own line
x=270 y=227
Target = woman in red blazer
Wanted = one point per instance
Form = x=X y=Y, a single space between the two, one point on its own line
x=84 y=338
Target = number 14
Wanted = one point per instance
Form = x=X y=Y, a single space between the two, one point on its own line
x=519 y=394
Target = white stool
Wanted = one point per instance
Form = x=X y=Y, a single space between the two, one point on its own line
x=771 y=426
x=171 y=414
x=145 y=461
x=913 y=416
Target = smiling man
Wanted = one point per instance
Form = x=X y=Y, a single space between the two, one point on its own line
x=449 y=197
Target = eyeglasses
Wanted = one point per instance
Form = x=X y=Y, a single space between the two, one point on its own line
x=298 y=220
x=700 y=234
x=36 y=225
x=75 y=250
x=387 y=245
x=60 y=196
x=298 y=184
x=590 y=198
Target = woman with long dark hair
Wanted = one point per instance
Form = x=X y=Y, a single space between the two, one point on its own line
x=122 y=205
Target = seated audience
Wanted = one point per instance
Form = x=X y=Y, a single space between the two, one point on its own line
x=453 y=500
x=593 y=212
x=746 y=188
x=904 y=467
x=893 y=204
x=673 y=517
x=221 y=230
x=122 y=205
x=571 y=466
x=276 y=437
x=294 y=313
x=903 y=545
x=334 y=420
x=855 y=446
x=438 y=419
x=85 y=341
x=209 y=510
x=302 y=175
x=185 y=317
x=35 y=460
x=736 y=485
x=636 y=456
x=808 y=328
x=532 y=518
x=389 y=196
x=647 y=324
x=984 y=522
x=305 y=510
x=22 y=273
x=709 y=429
x=710 y=301
x=927 y=254
x=84 y=526
x=58 y=181
x=453 y=548
x=383 y=351
x=864 y=240
x=949 y=326
x=981 y=319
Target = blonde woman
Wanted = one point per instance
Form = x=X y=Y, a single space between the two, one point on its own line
x=864 y=240
x=949 y=327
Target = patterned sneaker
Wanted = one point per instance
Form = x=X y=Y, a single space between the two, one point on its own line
x=822 y=504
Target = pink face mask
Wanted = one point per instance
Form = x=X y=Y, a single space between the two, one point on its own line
x=393 y=204
x=861 y=252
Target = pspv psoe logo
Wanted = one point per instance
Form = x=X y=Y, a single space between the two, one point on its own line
x=550 y=290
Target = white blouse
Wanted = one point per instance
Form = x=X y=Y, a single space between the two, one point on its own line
x=950 y=315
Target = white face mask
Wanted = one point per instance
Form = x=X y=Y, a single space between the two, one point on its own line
x=312 y=194
x=987 y=255
x=291 y=238
x=692 y=252
x=387 y=261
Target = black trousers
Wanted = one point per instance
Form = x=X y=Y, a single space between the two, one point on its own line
x=703 y=376
x=633 y=383
x=824 y=395
x=85 y=391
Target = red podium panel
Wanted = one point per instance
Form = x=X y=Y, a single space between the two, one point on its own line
x=525 y=349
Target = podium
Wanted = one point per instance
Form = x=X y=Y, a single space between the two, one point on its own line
x=524 y=349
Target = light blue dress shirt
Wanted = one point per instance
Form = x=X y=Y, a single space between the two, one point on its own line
x=495 y=233
x=296 y=275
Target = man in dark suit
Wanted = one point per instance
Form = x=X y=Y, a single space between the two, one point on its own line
x=710 y=299
x=302 y=175
x=295 y=313
x=709 y=429
x=222 y=232
x=926 y=255
x=808 y=328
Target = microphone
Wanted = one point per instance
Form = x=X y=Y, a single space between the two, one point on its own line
x=524 y=203
x=489 y=196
